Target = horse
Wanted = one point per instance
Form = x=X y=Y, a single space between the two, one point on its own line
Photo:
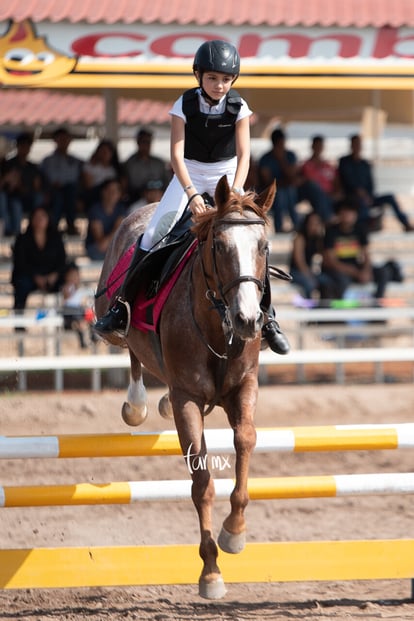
x=209 y=339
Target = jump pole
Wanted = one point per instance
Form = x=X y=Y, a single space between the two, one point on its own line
x=180 y=564
x=259 y=489
x=296 y=439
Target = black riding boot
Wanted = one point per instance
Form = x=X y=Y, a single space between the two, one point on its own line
x=118 y=318
x=273 y=335
x=271 y=332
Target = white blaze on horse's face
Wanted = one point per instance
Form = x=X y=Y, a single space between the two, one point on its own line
x=247 y=248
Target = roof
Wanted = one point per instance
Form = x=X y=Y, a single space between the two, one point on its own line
x=358 y=13
x=42 y=107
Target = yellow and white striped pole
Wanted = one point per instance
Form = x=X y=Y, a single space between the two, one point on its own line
x=259 y=489
x=296 y=439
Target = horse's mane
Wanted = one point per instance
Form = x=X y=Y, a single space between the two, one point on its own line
x=237 y=203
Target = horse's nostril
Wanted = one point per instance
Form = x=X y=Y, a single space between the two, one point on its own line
x=248 y=325
x=241 y=320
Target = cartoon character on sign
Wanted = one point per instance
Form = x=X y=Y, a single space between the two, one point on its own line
x=26 y=60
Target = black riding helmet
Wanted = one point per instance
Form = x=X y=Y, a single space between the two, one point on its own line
x=217 y=56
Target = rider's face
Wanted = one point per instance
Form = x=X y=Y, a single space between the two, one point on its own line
x=215 y=84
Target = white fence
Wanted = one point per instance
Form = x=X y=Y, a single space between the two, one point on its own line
x=355 y=320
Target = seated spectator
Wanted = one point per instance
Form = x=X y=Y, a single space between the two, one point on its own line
x=356 y=178
x=2 y=217
x=321 y=171
x=39 y=258
x=3 y=204
x=281 y=164
x=307 y=248
x=103 y=219
x=76 y=301
x=62 y=174
x=29 y=187
x=142 y=167
x=11 y=210
x=152 y=193
x=103 y=165
x=346 y=257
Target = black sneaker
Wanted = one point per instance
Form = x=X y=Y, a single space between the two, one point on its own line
x=275 y=338
x=116 y=319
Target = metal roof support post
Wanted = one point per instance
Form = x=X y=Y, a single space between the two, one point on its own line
x=110 y=96
x=376 y=129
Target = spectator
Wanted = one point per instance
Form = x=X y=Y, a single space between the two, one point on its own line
x=281 y=164
x=39 y=258
x=152 y=194
x=103 y=165
x=28 y=188
x=346 y=257
x=142 y=167
x=306 y=249
x=2 y=216
x=103 y=219
x=11 y=211
x=321 y=171
x=75 y=304
x=3 y=204
x=62 y=173
x=357 y=180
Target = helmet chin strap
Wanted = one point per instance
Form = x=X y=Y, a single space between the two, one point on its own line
x=209 y=99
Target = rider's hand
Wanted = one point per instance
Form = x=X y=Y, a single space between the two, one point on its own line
x=198 y=205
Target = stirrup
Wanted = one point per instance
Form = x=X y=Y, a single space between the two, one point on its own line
x=123 y=331
x=112 y=323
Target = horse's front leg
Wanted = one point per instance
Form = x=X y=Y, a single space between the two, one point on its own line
x=240 y=408
x=134 y=410
x=190 y=428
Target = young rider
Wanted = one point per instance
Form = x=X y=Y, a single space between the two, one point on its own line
x=210 y=137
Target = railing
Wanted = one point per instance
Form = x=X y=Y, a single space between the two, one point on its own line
x=298 y=321
x=97 y=363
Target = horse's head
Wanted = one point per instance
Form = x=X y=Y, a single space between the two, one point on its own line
x=234 y=250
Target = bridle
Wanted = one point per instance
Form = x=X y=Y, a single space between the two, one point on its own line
x=219 y=302
x=223 y=289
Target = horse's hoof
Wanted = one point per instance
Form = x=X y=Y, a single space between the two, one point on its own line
x=212 y=589
x=164 y=407
x=132 y=415
x=230 y=543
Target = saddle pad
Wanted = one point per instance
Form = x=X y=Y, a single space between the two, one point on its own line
x=141 y=307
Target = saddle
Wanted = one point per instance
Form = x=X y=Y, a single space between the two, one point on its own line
x=159 y=264
x=158 y=272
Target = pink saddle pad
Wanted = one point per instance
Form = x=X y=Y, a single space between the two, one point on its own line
x=141 y=318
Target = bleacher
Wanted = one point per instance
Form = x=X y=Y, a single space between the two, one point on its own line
x=318 y=336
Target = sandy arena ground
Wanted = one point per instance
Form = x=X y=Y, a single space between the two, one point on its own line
x=153 y=523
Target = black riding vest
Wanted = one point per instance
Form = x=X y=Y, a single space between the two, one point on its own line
x=210 y=137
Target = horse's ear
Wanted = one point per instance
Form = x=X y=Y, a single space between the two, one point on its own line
x=222 y=193
x=265 y=199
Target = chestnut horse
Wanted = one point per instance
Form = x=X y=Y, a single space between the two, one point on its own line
x=209 y=336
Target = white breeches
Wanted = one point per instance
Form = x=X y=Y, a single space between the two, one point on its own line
x=174 y=200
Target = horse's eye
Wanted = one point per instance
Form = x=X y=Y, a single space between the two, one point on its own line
x=263 y=246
